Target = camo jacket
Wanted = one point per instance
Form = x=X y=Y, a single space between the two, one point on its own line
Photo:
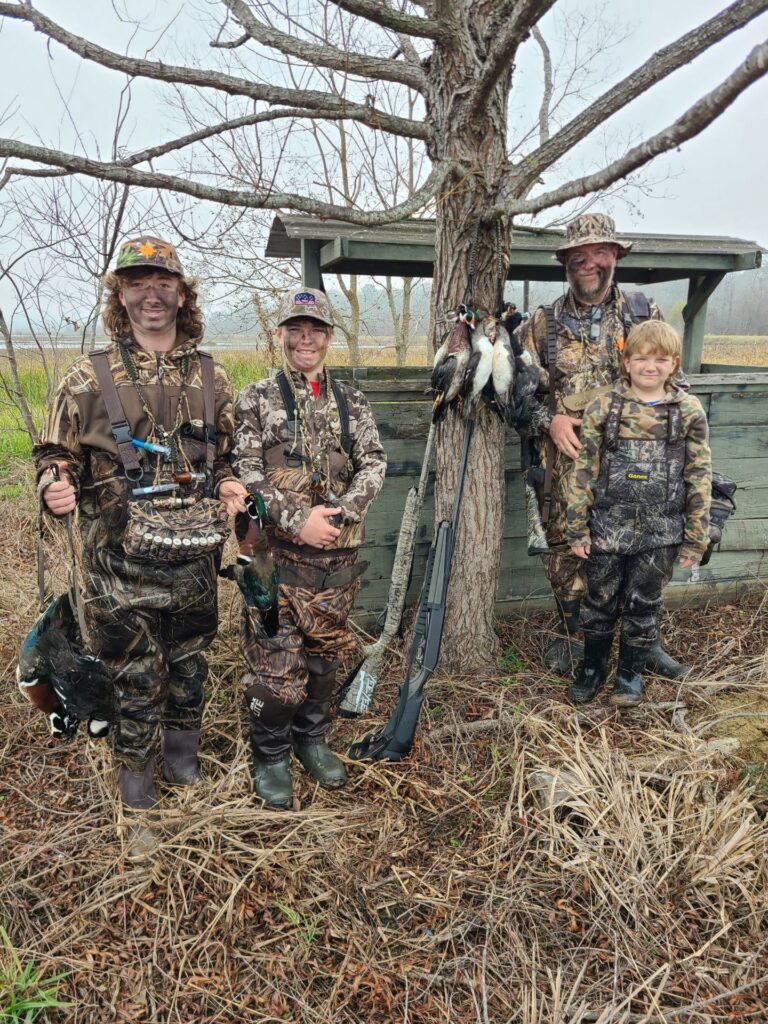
x=77 y=430
x=583 y=363
x=267 y=456
x=641 y=422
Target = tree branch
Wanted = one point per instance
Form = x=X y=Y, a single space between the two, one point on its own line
x=252 y=200
x=219 y=129
x=326 y=56
x=693 y=121
x=526 y=13
x=662 y=64
x=139 y=68
x=382 y=14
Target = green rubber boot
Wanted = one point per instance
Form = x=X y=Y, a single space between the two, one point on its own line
x=320 y=762
x=272 y=783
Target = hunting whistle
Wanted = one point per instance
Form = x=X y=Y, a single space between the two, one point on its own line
x=149 y=446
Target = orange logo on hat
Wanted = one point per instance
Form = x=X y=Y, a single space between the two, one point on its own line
x=147 y=250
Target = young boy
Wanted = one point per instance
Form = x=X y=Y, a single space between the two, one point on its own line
x=639 y=497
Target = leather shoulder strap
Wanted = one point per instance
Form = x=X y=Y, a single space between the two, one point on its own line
x=121 y=431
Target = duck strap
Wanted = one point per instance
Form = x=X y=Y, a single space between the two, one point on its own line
x=551 y=322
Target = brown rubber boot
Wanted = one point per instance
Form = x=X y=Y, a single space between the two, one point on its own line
x=180 y=764
x=139 y=797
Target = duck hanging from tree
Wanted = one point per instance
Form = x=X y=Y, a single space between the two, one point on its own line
x=450 y=363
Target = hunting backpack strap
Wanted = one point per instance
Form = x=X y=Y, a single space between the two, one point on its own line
x=551 y=322
x=289 y=402
x=207 y=372
x=341 y=403
x=121 y=431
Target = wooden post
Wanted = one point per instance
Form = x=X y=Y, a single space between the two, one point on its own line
x=695 y=318
x=310 y=263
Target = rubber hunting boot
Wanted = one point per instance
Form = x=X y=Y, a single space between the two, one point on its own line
x=628 y=686
x=661 y=662
x=313 y=720
x=564 y=653
x=139 y=797
x=269 y=724
x=180 y=764
x=594 y=671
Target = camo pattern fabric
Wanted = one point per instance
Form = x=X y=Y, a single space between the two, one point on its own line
x=268 y=456
x=149 y=625
x=77 y=430
x=583 y=363
x=627 y=586
x=647 y=492
x=310 y=623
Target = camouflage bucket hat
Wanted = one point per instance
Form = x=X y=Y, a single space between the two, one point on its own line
x=148 y=251
x=592 y=229
x=301 y=301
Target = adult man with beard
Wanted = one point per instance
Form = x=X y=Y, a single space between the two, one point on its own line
x=308 y=444
x=587 y=329
x=138 y=439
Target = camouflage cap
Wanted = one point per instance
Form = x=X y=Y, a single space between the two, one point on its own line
x=592 y=229
x=148 y=251
x=302 y=301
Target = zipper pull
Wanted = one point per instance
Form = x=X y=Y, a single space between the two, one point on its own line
x=160 y=367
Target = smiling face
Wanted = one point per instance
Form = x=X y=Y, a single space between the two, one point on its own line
x=305 y=343
x=649 y=370
x=151 y=298
x=590 y=270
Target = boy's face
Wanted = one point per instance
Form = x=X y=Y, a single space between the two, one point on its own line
x=649 y=371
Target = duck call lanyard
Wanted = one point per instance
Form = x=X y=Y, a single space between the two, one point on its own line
x=158 y=433
x=320 y=480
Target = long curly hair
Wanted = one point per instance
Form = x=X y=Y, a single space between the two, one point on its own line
x=189 y=319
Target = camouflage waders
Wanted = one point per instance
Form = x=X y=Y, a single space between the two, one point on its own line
x=149 y=623
x=291 y=678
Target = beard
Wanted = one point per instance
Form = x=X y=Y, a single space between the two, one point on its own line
x=587 y=295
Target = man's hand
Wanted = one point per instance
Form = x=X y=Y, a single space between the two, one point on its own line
x=232 y=494
x=317 y=531
x=581 y=550
x=562 y=430
x=686 y=562
x=60 y=497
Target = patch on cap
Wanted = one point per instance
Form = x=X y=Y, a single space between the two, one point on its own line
x=304 y=299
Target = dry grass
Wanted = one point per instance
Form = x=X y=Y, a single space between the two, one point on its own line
x=527 y=865
x=736 y=349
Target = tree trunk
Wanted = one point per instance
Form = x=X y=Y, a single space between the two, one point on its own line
x=478 y=141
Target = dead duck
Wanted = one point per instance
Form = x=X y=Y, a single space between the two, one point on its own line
x=478 y=370
x=448 y=368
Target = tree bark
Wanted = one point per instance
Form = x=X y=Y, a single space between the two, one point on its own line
x=478 y=144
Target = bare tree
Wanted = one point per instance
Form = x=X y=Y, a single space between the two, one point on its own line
x=457 y=57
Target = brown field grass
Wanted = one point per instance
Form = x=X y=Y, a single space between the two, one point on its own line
x=736 y=349
x=528 y=864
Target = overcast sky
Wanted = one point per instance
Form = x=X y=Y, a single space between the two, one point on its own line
x=716 y=183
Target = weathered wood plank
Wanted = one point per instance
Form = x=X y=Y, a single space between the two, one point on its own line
x=744 y=535
x=745 y=408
